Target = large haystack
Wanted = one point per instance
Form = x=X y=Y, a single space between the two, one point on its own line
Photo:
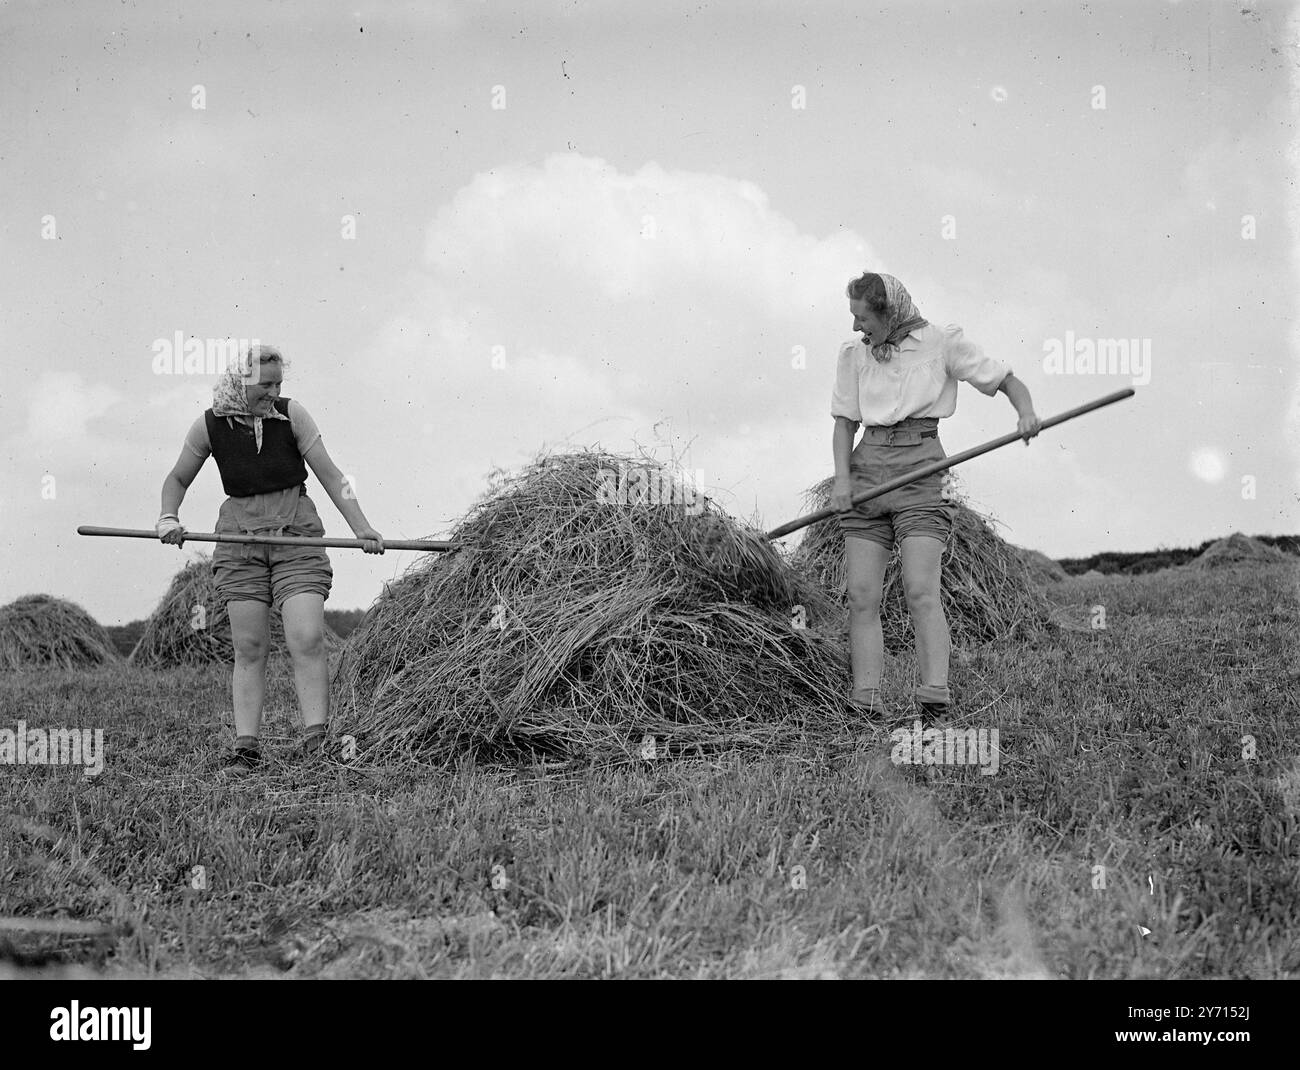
x=573 y=625
x=1042 y=569
x=192 y=627
x=1238 y=549
x=985 y=586
x=38 y=631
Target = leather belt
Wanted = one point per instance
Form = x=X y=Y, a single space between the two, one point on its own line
x=884 y=436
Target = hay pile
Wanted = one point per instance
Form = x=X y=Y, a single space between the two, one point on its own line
x=1238 y=549
x=39 y=631
x=571 y=626
x=1042 y=569
x=192 y=627
x=985 y=586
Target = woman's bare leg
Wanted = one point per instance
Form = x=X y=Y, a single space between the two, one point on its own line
x=249 y=628
x=864 y=563
x=922 y=563
x=304 y=631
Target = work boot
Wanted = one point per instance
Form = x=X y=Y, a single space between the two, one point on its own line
x=932 y=703
x=313 y=751
x=240 y=762
x=866 y=702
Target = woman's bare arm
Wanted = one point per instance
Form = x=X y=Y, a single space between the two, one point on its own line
x=842 y=450
x=342 y=494
x=842 y=444
x=178 y=481
x=1018 y=394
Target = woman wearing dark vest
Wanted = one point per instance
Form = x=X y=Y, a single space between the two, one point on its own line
x=262 y=444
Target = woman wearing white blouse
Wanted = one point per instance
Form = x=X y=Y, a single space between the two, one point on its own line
x=898 y=382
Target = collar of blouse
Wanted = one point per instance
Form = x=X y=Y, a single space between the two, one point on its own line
x=909 y=344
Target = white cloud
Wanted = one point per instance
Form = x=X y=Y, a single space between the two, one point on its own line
x=616 y=301
x=576 y=240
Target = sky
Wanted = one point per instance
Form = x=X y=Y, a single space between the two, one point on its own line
x=481 y=231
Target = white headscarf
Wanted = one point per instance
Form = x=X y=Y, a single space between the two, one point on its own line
x=901 y=317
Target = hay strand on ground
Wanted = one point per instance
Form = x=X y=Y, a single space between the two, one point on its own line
x=986 y=589
x=40 y=631
x=191 y=625
x=574 y=623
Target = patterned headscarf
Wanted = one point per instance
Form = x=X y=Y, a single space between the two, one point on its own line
x=901 y=317
x=229 y=398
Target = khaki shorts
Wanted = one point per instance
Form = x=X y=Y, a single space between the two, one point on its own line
x=918 y=508
x=255 y=572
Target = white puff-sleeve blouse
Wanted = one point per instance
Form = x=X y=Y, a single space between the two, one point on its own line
x=919 y=380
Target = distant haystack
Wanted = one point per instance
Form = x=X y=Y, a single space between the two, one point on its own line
x=986 y=589
x=1042 y=569
x=192 y=627
x=41 y=632
x=1239 y=549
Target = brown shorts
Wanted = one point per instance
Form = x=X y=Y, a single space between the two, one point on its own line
x=917 y=508
x=256 y=572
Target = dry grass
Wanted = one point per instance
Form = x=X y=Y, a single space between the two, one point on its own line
x=1123 y=758
x=192 y=627
x=986 y=589
x=575 y=627
x=40 y=631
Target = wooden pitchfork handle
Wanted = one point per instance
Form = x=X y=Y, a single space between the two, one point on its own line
x=947 y=462
x=430 y=545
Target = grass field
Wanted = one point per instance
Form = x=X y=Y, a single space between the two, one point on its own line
x=1123 y=800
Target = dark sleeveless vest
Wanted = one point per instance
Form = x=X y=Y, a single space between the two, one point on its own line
x=244 y=471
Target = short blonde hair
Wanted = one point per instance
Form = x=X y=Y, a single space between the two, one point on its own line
x=258 y=355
